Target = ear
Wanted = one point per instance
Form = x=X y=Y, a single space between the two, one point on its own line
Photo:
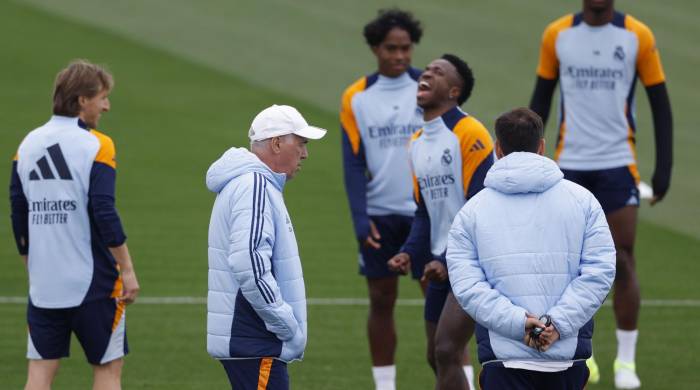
x=454 y=92
x=275 y=145
x=499 y=151
x=375 y=50
x=82 y=101
x=542 y=148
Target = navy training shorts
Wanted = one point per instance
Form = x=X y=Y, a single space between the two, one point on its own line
x=256 y=374
x=435 y=297
x=394 y=230
x=496 y=376
x=614 y=188
x=99 y=325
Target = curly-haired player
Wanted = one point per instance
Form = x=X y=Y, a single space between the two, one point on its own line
x=378 y=117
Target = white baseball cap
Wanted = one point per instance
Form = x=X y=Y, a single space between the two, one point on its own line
x=276 y=121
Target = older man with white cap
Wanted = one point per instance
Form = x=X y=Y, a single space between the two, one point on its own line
x=256 y=321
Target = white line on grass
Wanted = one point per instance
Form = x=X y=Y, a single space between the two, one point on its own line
x=350 y=301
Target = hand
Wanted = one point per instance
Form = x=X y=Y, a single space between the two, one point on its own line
x=531 y=322
x=545 y=339
x=130 y=287
x=373 y=238
x=548 y=337
x=434 y=271
x=400 y=263
x=660 y=182
x=293 y=349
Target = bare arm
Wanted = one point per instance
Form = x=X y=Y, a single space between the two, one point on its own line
x=126 y=268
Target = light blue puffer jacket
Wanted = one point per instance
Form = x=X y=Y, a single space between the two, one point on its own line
x=256 y=305
x=530 y=242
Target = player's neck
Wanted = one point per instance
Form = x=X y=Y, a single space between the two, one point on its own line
x=598 y=18
x=389 y=74
x=438 y=111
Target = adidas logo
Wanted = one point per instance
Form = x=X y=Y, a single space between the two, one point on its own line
x=59 y=163
x=477 y=146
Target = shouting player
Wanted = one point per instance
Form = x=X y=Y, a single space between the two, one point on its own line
x=450 y=157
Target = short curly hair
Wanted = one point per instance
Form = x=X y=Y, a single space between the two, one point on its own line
x=376 y=30
x=465 y=72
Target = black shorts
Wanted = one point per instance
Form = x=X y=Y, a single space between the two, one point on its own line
x=496 y=376
x=99 y=325
x=435 y=297
x=614 y=188
x=394 y=230
x=256 y=374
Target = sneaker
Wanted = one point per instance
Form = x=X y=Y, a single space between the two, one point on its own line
x=594 y=373
x=626 y=376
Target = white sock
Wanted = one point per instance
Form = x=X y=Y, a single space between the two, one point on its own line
x=384 y=377
x=626 y=345
x=469 y=373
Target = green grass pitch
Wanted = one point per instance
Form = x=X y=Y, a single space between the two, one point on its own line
x=189 y=78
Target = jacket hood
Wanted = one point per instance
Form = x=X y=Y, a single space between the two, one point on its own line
x=522 y=172
x=236 y=162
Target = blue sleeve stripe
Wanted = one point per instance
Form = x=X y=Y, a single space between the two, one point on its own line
x=20 y=212
x=477 y=182
x=354 y=172
x=263 y=284
x=417 y=244
x=263 y=199
x=101 y=205
x=255 y=236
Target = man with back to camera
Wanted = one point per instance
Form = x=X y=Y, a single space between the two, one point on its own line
x=256 y=321
x=450 y=156
x=378 y=116
x=530 y=244
x=62 y=194
x=596 y=56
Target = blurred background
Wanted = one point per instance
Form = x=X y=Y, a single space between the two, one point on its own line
x=191 y=75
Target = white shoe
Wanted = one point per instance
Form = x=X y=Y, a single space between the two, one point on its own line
x=626 y=376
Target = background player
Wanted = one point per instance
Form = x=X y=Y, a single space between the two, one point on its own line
x=62 y=197
x=450 y=157
x=596 y=56
x=378 y=116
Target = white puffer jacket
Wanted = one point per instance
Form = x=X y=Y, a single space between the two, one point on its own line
x=256 y=305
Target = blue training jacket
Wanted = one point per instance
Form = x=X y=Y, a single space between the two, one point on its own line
x=530 y=242
x=256 y=305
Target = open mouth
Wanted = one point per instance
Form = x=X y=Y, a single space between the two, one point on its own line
x=423 y=89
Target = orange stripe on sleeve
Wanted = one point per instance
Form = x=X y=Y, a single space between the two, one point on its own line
x=475 y=144
x=264 y=375
x=16 y=157
x=560 y=142
x=107 y=152
x=416 y=187
x=648 y=59
x=347 y=117
x=548 y=65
